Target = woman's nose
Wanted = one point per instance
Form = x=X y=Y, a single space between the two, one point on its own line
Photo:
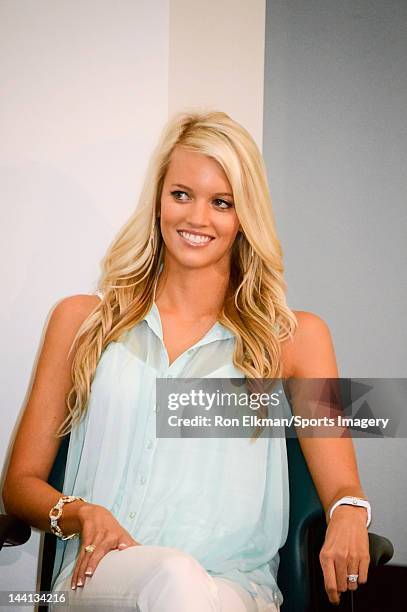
x=199 y=212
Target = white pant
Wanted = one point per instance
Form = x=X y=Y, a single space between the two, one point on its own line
x=158 y=579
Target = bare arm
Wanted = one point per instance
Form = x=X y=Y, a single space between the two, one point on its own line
x=26 y=493
x=331 y=461
x=332 y=464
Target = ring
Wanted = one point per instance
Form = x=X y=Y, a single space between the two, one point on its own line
x=353 y=577
x=89 y=548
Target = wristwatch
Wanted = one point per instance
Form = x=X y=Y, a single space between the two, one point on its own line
x=353 y=501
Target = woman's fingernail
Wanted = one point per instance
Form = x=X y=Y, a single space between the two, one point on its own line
x=122 y=545
x=73 y=586
x=79 y=583
x=88 y=573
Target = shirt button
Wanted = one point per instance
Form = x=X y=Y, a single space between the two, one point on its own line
x=132 y=515
x=142 y=480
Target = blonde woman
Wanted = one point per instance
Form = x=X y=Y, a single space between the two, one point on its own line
x=192 y=286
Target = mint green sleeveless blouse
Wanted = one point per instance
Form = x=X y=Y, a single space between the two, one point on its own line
x=225 y=501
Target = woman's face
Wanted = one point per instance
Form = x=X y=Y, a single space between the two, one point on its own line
x=197 y=203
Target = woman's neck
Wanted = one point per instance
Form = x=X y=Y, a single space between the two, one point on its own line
x=191 y=293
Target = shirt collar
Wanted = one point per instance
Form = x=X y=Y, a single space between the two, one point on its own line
x=217 y=331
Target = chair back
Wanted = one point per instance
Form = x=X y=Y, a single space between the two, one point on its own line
x=295 y=575
x=56 y=480
x=57 y=474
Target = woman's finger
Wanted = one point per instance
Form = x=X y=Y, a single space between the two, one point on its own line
x=341 y=571
x=352 y=571
x=328 y=569
x=89 y=538
x=92 y=557
x=363 y=569
x=97 y=555
x=79 y=575
x=127 y=541
x=74 y=578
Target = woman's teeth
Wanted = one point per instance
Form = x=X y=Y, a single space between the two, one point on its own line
x=194 y=239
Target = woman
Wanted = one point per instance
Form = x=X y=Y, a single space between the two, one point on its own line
x=191 y=287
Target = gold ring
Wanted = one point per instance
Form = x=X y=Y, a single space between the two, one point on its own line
x=89 y=548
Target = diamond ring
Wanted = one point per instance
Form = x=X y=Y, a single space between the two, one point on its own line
x=353 y=577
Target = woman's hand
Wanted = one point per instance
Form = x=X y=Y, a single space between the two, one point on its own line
x=345 y=551
x=98 y=527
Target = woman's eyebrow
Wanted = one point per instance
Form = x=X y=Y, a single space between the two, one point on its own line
x=223 y=193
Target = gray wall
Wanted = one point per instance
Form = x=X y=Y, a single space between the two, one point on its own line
x=335 y=145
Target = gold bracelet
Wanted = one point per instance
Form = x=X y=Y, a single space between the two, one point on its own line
x=56 y=512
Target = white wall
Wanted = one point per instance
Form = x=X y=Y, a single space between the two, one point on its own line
x=217 y=58
x=86 y=97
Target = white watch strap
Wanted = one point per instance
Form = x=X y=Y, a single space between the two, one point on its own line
x=353 y=501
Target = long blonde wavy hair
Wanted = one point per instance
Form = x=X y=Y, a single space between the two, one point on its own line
x=255 y=307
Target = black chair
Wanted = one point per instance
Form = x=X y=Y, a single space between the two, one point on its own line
x=299 y=577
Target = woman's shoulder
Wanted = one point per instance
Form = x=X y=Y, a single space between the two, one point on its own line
x=77 y=304
x=71 y=311
x=311 y=344
x=309 y=323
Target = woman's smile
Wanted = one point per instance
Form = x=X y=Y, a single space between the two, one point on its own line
x=194 y=240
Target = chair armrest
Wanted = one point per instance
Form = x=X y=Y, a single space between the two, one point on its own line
x=13 y=531
x=380 y=549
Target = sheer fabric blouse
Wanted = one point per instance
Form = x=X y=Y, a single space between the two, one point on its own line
x=223 y=500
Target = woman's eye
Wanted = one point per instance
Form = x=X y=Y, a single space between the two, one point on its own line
x=177 y=194
x=227 y=204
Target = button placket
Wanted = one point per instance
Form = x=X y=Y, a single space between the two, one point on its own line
x=144 y=470
x=139 y=494
x=143 y=473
